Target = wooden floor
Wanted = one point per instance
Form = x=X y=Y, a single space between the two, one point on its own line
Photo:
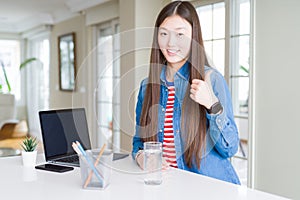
x=12 y=134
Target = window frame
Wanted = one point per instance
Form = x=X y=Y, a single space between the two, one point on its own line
x=115 y=101
x=15 y=85
x=230 y=23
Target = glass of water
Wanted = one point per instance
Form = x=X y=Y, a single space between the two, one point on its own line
x=153 y=163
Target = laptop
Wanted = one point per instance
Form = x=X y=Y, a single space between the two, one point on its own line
x=59 y=129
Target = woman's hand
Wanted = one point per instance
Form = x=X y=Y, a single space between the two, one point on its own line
x=202 y=92
x=140 y=161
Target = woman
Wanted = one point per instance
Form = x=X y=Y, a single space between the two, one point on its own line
x=185 y=103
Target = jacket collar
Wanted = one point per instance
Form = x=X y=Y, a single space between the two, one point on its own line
x=183 y=72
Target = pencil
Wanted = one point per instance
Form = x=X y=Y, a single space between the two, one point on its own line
x=76 y=149
x=88 y=161
x=87 y=181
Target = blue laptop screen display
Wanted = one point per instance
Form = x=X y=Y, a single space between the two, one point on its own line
x=62 y=127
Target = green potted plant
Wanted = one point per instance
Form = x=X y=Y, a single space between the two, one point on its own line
x=8 y=106
x=29 y=152
x=22 y=65
x=5 y=77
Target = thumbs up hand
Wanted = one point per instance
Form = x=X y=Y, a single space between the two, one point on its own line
x=202 y=92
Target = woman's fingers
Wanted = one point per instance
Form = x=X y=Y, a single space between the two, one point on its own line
x=193 y=91
x=196 y=81
x=202 y=92
x=165 y=164
x=140 y=160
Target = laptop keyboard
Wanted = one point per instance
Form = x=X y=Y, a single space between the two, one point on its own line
x=71 y=159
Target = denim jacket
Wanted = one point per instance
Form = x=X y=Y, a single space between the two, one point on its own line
x=222 y=135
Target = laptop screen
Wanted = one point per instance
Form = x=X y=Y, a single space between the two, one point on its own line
x=62 y=127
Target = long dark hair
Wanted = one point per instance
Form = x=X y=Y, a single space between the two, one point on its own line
x=193 y=118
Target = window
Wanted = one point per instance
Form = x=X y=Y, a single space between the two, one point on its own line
x=239 y=77
x=10 y=58
x=40 y=70
x=216 y=27
x=108 y=77
x=212 y=20
x=37 y=81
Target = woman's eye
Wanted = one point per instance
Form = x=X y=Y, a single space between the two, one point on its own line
x=180 y=34
x=163 y=34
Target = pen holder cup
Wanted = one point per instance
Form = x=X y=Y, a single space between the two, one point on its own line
x=95 y=173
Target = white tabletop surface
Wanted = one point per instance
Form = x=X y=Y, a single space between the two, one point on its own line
x=19 y=182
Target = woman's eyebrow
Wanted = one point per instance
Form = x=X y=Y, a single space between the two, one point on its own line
x=162 y=28
x=178 y=28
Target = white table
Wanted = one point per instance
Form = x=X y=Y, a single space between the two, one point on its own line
x=18 y=182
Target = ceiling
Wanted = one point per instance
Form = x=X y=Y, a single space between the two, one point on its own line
x=17 y=16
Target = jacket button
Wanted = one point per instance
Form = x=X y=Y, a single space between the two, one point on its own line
x=163 y=110
x=177 y=131
x=160 y=130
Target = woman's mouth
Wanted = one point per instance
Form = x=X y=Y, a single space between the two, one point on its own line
x=172 y=52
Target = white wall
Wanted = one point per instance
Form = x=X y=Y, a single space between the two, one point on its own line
x=137 y=18
x=65 y=99
x=83 y=96
x=134 y=16
x=103 y=12
x=277 y=96
x=127 y=62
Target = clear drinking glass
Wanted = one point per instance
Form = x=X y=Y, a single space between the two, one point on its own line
x=153 y=163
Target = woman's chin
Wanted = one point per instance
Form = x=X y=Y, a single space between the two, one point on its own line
x=176 y=61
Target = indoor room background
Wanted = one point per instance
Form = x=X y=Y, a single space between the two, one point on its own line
x=253 y=43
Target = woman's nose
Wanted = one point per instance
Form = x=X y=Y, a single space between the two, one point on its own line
x=172 y=39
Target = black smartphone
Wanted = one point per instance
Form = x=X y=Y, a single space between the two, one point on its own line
x=54 y=168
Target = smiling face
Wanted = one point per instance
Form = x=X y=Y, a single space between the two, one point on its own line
x=174 y=40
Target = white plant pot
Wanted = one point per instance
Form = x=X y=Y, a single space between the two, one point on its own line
x=29 y=158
